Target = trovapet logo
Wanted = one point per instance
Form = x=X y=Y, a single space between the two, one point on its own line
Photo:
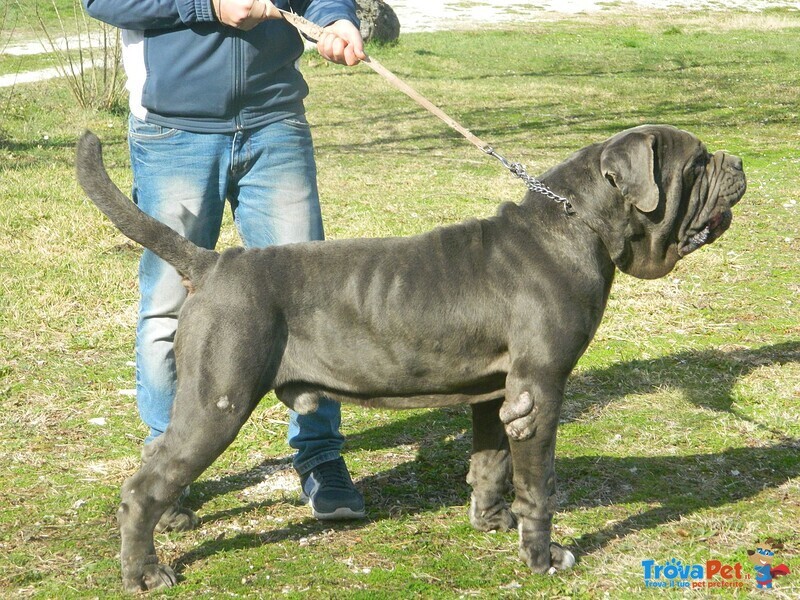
x=711 y=574
x=717 y=574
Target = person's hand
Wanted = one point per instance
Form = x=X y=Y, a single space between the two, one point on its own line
x=244 y=14
x=341 y=43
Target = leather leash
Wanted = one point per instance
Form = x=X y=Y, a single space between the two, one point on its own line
x=314 y=32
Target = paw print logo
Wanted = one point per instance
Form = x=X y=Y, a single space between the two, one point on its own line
x=673 y=568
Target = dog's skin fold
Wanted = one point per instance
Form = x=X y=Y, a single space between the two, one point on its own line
x=493 y=312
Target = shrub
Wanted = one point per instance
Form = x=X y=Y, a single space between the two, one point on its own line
x=88 y=55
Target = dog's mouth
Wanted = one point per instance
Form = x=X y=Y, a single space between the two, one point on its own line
x=716 y=226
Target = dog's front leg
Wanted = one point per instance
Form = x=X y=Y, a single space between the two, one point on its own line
x=533 y=461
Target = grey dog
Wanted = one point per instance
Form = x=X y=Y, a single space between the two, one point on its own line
x=493 y=313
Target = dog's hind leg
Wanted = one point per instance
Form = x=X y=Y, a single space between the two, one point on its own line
x=196 y=436
x=490 y=470
x=211 y=405
x=177 y=517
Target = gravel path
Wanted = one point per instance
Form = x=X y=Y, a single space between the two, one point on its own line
x=431 y=15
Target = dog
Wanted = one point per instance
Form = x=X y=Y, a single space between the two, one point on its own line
x=491 y=312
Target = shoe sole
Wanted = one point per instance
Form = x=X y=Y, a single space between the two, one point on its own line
x=340 y=514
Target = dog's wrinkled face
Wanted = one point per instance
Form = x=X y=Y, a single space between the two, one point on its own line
x=676 y=195
x=719 y=183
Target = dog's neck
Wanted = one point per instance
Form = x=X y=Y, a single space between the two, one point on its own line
x=594 y=200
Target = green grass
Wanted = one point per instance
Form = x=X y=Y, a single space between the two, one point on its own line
x=681 y=425
x=20 y=19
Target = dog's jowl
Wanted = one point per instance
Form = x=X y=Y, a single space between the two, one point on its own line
x=493 y=313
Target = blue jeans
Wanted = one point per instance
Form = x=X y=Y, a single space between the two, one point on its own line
x=183 y=179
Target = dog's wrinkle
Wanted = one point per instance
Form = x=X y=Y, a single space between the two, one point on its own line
x=722 y=190
x=385 y=296
x=390 y=285
x=697 y=194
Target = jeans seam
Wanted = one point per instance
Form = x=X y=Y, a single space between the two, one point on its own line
x=310 y=464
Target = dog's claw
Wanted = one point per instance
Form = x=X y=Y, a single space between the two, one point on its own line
x=560 y=558
x=158 y=576
x=543 y=561
x=153 y=577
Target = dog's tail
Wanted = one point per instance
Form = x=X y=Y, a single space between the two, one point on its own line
x=189 y=260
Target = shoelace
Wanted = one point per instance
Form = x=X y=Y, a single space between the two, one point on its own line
x=333 y=474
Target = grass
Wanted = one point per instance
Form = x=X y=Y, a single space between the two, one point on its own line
x=681 y=425
x=73 y=42
x=21 y=23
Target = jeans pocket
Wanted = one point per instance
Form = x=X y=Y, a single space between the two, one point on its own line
x=298 y=122
x=142 y=130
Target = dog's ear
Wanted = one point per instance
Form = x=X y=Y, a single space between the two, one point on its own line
x=629 y=164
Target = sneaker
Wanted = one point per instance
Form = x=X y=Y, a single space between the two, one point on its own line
x=329 y=490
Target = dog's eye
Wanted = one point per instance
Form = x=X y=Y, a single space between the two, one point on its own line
x=700 y=161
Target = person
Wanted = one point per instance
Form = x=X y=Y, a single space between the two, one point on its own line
x=216 y=113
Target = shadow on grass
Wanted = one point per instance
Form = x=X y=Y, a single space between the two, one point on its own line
x=674 y=485
x=706 y=377
x=677 y=486
x=504 y=125
x=47 y=152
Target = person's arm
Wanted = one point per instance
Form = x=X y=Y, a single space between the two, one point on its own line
x=150 y=14
x=341 y=42
x=166 y=14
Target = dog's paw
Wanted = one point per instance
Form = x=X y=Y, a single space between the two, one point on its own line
x=159 y=576
x=177 y=518
x=560 y=559
x=519 y=417
x=498 y=518
x=153 y=577
x=549 y=558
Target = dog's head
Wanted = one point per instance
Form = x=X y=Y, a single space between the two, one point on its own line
x=664 y=196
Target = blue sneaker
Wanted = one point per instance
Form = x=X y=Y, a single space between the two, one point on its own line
x=329 y=490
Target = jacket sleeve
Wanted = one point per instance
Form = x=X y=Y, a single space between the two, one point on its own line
x=150 y=14
x=325 y=12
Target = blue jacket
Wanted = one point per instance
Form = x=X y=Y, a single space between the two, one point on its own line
x=188 y=71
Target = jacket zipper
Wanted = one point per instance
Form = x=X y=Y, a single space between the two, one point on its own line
x=238 y=84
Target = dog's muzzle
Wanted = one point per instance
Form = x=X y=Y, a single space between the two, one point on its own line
x=732 y=188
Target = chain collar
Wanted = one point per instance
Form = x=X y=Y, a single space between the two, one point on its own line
x=531 y=182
